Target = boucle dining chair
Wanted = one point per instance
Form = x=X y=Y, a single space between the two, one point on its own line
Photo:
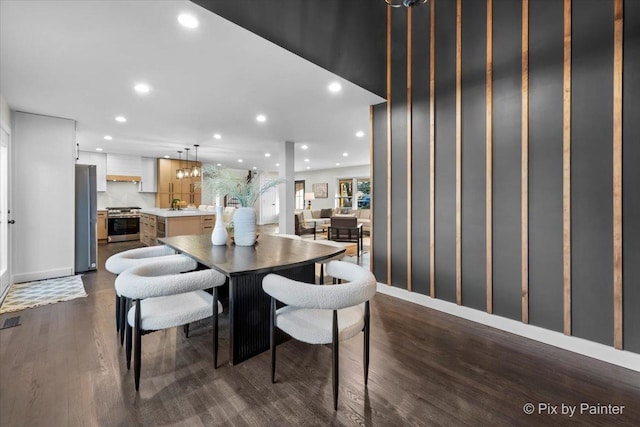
x=326 y=261
x=166 y=298
x=119 y=262
x=323 y=314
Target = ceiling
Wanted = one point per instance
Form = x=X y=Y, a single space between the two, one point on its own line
x=80 y=60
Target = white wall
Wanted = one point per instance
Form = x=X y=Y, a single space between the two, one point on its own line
x=330 y=176
x=5 y=113
x=43 y=185
x=123 y=194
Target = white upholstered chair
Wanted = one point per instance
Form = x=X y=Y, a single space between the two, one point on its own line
x=119 y=262
x=323 y=314
x=165 y=298
x=335 y=258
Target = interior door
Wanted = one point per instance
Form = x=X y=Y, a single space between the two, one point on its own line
x=269 y=206
x=4 y=211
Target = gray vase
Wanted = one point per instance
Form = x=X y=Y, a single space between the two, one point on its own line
x=244 y=227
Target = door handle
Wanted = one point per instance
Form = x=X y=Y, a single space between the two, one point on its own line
x=12 y=221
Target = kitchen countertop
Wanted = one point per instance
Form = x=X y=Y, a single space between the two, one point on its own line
x=166 y=213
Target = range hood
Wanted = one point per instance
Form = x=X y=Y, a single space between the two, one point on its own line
x=124 y=178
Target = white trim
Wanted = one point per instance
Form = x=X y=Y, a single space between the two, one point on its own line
x=602 y=352
x=41 y=275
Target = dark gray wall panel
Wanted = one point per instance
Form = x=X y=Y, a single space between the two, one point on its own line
x=546 y=58
x=507 y=120
x=631 y=177
x=344 y=37
x=420 y=171
x=399 y=147
x=379 y=167
x=445 y=173
x=474 y=66
x=592 y=170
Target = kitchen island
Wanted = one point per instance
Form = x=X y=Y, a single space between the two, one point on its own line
x=157 y=223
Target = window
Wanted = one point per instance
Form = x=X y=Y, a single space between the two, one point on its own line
x=364 y=193
x=299 y=194
x=345 y=193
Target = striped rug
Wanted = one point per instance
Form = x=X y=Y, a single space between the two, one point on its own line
x=35 y=294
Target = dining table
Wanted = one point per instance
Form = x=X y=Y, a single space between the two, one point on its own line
x=245 y=267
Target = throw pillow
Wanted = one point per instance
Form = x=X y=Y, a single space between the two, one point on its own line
x=326 y=213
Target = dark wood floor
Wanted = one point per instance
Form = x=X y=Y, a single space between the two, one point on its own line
x=64 y=367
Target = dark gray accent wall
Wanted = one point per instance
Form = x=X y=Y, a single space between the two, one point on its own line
x=507 y=143
x=399 y=147
x=474 y=101
x=344 y=37
x=445 y=173
x=546 y=57
x=420 y=161
x=631 y=177
x=379 y=190
x=592 y=170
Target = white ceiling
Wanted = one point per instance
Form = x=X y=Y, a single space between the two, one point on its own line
x=81 y=59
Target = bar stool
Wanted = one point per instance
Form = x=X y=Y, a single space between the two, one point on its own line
x=119 y=262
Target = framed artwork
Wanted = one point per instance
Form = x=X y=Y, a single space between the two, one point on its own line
x=320 y=191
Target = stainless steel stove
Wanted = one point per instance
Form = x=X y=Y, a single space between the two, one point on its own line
x=124 y=223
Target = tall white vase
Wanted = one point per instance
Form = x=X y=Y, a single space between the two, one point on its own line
x=219 y=234
x=244 y=226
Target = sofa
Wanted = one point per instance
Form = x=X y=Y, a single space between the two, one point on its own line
x=316 y=215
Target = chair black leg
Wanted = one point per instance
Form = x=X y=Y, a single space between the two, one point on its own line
x=335 y=360
x=185 y=328
x=124 y=308
x=272 y=339
x=322 y=274
x=215 y=328
x=117 y=313
x=367 y=327
x=138 y=344
x=128 y=345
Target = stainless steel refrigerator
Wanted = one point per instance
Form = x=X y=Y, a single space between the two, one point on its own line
x=86 y=213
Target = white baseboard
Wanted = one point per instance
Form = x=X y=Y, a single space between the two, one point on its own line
x=595 y=350
x=41 y=275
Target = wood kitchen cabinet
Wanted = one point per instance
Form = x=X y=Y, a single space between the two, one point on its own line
x=148 y=229
x=173 y=226
x=169 y=187
x=102 y=226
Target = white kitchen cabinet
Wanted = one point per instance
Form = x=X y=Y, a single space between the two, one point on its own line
x=148 y=175
x=100 y=161
x=122 y=164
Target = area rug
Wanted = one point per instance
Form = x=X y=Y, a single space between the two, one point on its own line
x=35 y=294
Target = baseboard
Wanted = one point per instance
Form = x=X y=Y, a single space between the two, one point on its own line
x=41 y=275
x=623 y=358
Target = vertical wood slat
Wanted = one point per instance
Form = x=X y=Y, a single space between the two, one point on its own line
x=458 y=152
x=372 y=183
x=389 y=145
x=566 y=168
x=617 y=175
x=525 y=161
x=432 y=150
x=489 y=157
x=409 y=147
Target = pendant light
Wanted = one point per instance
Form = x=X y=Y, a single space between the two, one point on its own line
x=187 y=169
x=195 y=170
x=179 y=171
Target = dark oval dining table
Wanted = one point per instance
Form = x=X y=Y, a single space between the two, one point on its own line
x=246 y=266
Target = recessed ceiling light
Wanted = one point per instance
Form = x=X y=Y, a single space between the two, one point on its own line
x=142 y=88
x=239 y=160
x=307 y=160
x=98 y=149
x=121 y=119
x=277 y=165
x=338 y=164
x=108 y=137
x=219 y=164
x=217 y=136
x=308 y=167
x=267 y=154
x=360 y=134
x=188 y=21
x=167 y=157
x=261 y=118
x=334 y=87
x=345 y=154
x=255 y=167
x=304 y=147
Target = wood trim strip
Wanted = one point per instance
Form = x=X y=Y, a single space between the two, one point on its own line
x=432 y=150
x=489 y=158
x=525 y=161
x=126 y=178
x=372 y=183
x=617 y=175
x=389 y=145
x=458 y=152
x=566 y=169
x=409 y=146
